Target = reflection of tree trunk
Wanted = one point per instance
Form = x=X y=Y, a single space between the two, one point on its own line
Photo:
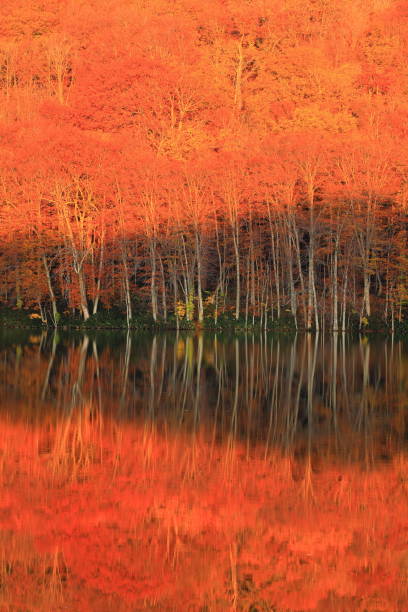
x=232 y=434
x=98 y=378
x=153 y=365
x=365 y=396
x=298 y=392
x=289 y=404
x=251 y=387
x=77 y=386
x=335 y=337
x=220 y=386
x=125 y=372
x=186 y=378
x=311 y=368
x=50 y=364
x=236 y=390
x=316 y=310
x=175 y=364
x=273 y=409
x=162 y=370
x=198 y=381
x=346 y=391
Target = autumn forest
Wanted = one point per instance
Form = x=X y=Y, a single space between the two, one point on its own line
x=197 y=201
x=193 y=161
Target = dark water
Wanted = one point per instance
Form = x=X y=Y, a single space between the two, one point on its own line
x=333 y=394
x=202 y=473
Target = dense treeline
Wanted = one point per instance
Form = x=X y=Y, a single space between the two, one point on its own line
x=236 y=159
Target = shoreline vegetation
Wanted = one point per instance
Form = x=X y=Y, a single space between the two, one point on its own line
x=114 y=319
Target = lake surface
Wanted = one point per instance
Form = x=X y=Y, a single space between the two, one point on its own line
x=202 y=472
x=335 y=394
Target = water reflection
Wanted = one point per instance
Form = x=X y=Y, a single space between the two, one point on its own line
x=202 y=473
x=309 y=394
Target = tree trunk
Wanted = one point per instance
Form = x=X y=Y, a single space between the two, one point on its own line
x=199 y=288
x=55 y=314
x=335 y=287
x=128 y=300
x=98 y=282
x=238 y=274
x=82 y=291
x=153 y=293
x=366 y=305
x=164 y=297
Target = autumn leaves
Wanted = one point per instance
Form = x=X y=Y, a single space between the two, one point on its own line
x=246 y=156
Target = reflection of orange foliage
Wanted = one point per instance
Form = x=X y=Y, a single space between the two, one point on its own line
x=123 y=518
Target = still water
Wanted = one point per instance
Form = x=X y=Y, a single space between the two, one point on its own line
x=202 y=472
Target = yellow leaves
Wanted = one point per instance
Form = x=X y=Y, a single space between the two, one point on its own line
x=178 y=142
x=209 y=300
x=341 y=80
x=314 y=117
x=402 y=292
x=180 y=309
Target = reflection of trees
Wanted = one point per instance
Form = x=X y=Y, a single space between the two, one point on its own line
x=309 y=395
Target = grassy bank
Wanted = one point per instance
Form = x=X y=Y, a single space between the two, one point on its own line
x=115 y=319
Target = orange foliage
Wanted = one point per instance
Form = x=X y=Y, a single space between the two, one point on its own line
x=102 y=517
x=141 y=101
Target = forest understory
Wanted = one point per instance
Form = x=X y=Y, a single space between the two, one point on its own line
x=225 y=323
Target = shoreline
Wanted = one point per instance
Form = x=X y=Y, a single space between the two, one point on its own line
x=226 y=323
x=238 y=328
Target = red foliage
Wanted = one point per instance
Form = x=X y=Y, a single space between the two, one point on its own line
x=124 y=517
